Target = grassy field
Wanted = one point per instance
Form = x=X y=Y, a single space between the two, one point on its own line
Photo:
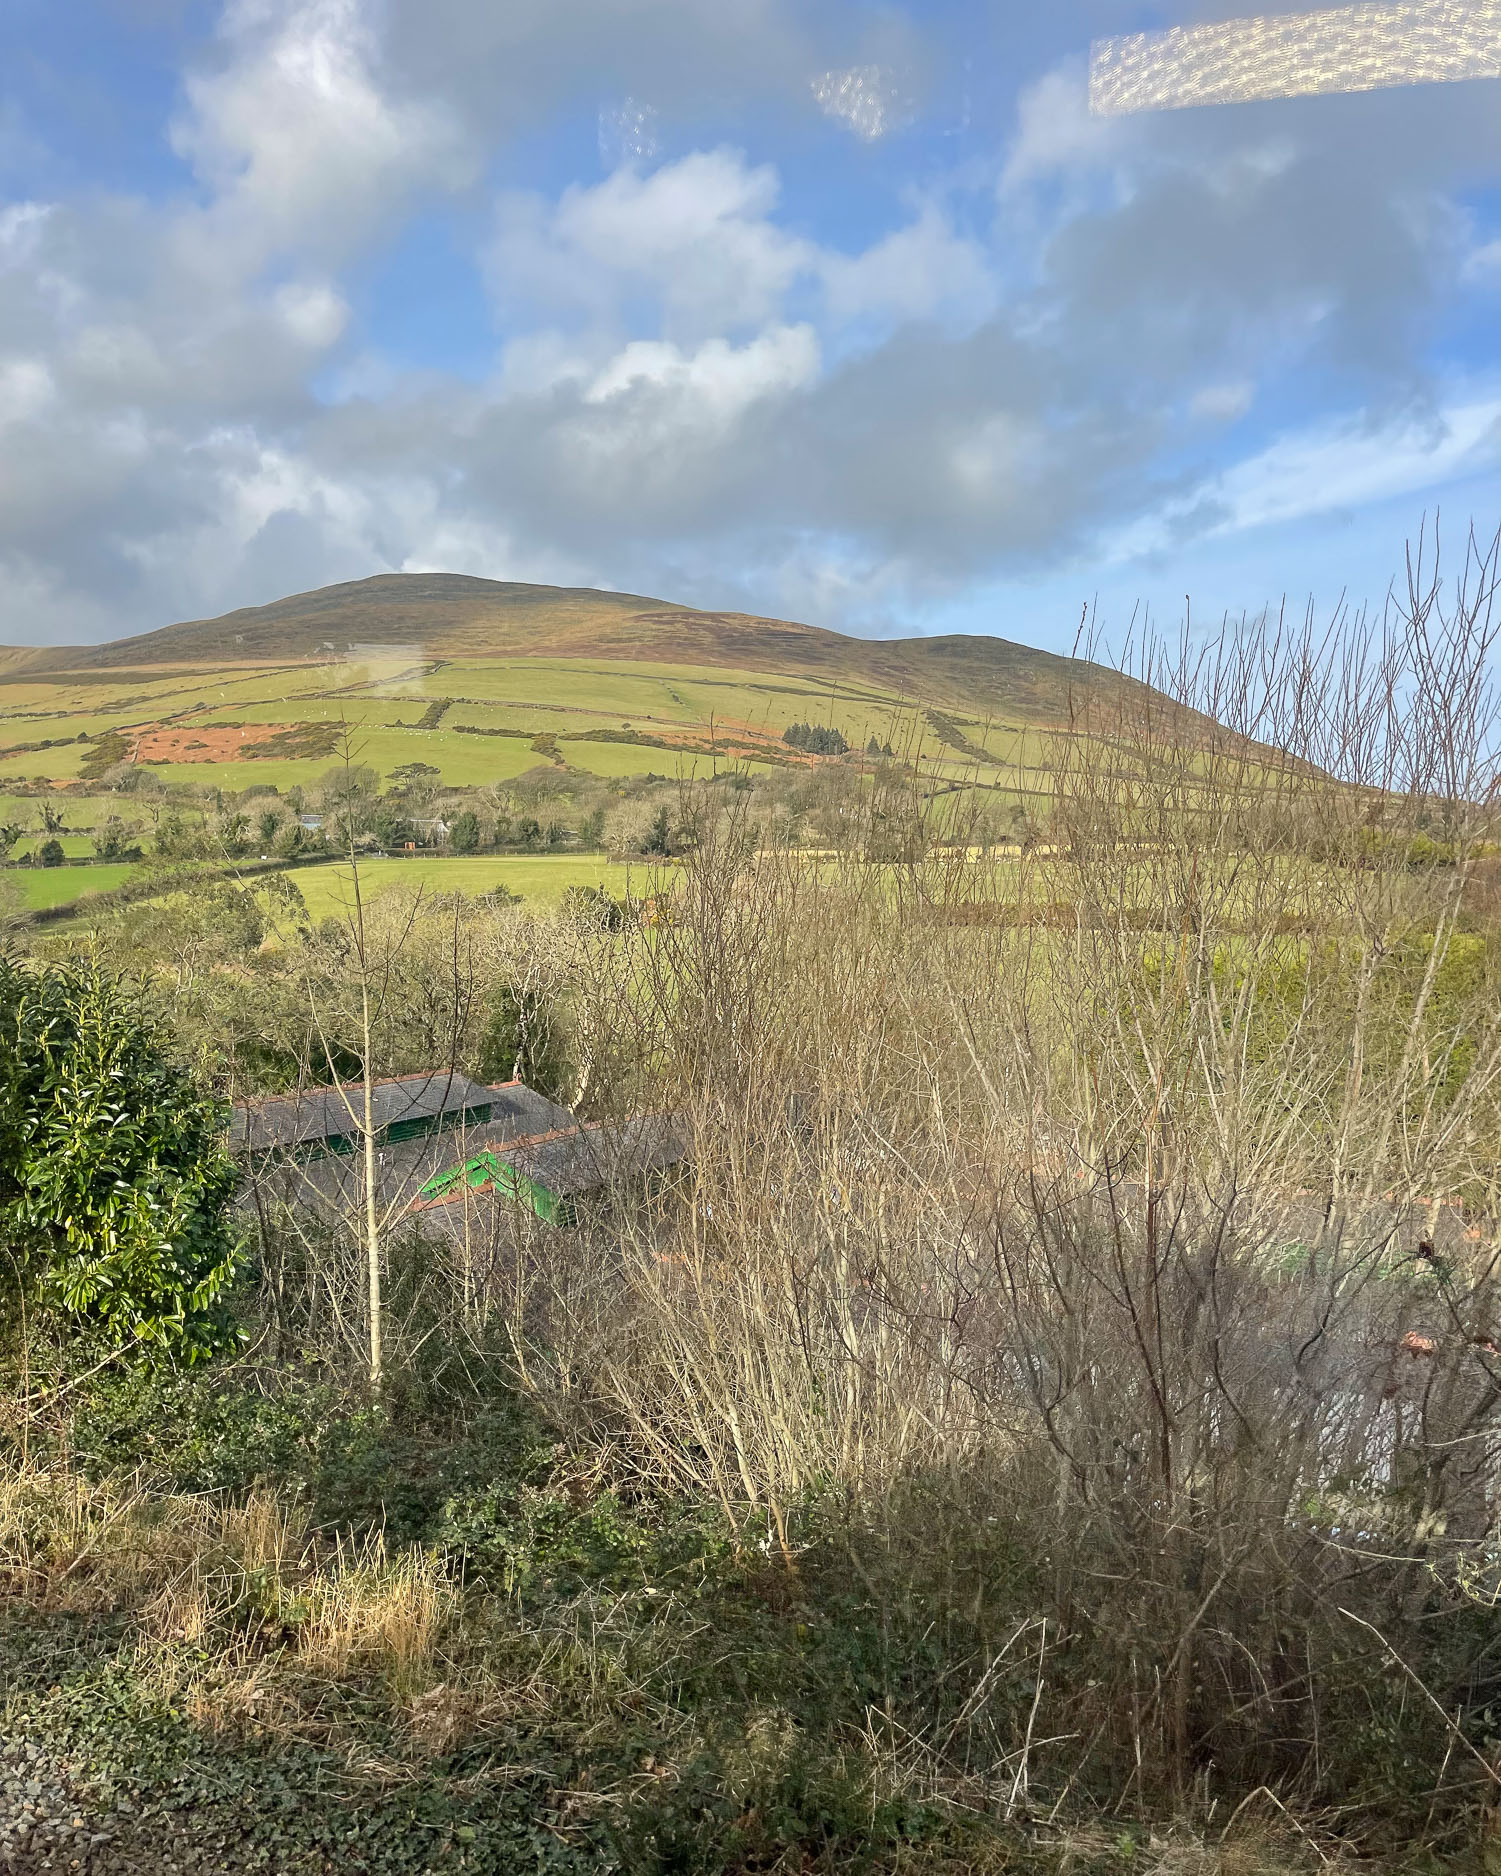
x=41 y=888
x=543 y=879
x=463 y=762
x=617 y=760
x=384 y=702
x=61 y=764
x=74 y=846
x=78 y=811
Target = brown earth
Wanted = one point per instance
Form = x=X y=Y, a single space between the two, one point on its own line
x=205 y=743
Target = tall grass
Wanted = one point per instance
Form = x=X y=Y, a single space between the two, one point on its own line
x=191 y=1567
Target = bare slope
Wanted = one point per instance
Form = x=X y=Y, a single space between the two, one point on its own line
x=445 y=615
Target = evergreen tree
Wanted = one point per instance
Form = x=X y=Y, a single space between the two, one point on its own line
x=464 y=835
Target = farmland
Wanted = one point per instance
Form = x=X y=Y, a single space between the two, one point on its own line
x=327 y=890
x=42 y=888
x=560 y=724
x=201 y=710
x=826 y=1489
x=476 y=722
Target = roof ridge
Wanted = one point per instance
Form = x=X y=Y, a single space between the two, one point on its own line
x=553 y=1133
x=380 y=1081
x=498 y=1149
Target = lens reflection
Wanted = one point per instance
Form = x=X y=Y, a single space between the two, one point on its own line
x=1350 y=48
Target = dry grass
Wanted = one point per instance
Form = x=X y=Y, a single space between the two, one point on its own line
x=244 y=1578
x=367 y=1612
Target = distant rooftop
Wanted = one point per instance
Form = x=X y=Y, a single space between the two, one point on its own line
x=547 y=1171
x=317 y=1116
x=584 y=1159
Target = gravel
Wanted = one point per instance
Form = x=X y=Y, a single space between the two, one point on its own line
x=47 y=1824
x=44 y=1825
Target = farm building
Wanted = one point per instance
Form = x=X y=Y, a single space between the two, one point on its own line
x=305 y=1150
x=316 y=1121
x=446 y=1147
x=548 y=1173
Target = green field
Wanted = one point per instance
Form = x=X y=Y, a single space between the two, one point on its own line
x=617 y=760
x=543 y=880
x=382 y=704
x=463 y=762
x=535 y=664
x=74 y=846
x=43 y=887
x=78 y=811
x=60 y=764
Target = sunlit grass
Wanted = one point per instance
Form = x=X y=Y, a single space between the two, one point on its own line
x=543 y=879
x=43 y=887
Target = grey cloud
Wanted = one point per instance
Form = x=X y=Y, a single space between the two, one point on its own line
x=694 y=60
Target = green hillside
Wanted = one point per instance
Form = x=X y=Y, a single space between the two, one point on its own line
x=482 y=680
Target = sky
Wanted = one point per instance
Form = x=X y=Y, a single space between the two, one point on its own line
x=822 y=309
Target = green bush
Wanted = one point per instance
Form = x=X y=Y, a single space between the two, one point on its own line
x=115 y=1181
x=772 y=1797
x=594 y=907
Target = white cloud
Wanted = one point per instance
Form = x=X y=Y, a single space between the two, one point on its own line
x=1327 y=469
x=1222 y=403
x=264 y=481
x=1482 y=265
x=296 y=138
x=1056 y=135
x=715 y=385
x=917 y=272
x=118 y=360
x=697 y=234
x=990 y=463
x=20 y=227
x=700 y=236
x=26 y=389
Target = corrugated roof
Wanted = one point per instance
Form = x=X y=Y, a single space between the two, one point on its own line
x=323 y=1113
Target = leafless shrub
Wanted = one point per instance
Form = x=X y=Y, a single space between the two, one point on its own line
x=1139 y=1184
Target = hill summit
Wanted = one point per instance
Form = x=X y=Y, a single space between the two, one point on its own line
x=450 y=615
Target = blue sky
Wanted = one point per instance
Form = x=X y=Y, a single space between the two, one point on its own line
x=844 y=312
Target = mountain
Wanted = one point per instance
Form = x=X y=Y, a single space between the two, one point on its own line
x=449 y=615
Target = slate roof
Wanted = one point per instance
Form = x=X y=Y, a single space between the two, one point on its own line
x=569 y=1161
x=332 y=1183
x=583 y=1159
x=316 y=1114
x=518 y=1111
